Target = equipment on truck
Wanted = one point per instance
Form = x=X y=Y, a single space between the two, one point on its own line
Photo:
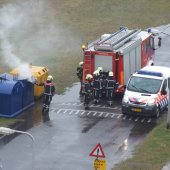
x=123 y=53
x=147 y=92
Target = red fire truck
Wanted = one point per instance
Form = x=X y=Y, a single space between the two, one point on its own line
x=123 y=52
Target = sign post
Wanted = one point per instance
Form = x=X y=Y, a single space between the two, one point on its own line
x=98 y=153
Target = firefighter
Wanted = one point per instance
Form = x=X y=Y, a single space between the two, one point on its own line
x=110 y=88
x=87 y=90
x=100 y=70
x=103 y=81
x=96 y=86
x=49 y=91
x=80 y=74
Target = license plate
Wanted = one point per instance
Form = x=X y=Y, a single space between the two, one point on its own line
x=136 y=110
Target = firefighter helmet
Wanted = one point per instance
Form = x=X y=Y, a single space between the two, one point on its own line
x=96 y=73
x=89 y=77
x=50 y=78
x=110 y=73
x=81 y=63
x=100 y=69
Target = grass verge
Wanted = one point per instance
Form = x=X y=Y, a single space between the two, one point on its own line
x=152 y=154
x=4 y=122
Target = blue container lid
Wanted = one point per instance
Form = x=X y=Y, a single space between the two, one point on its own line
x=7 y=86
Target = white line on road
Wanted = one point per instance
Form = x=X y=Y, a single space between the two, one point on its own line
x=89 y=113
x=94 y=113
x=136 y=119
x=77 y=112
x=149 y=121
x=107 y=115
x=130 y=118
x=65 y=111
x=142 y=120
x=80 y=104
x=59 y=111
x=124 y=117
x=82 y=112
x=71 y=112
x=100 y=115
x=119 y=116
x=112 y=115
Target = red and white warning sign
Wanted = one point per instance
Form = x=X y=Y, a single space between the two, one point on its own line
x=97 y=151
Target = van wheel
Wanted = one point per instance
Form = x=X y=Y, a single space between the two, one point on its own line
x=157 y=113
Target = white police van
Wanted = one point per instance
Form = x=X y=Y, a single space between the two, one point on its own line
x=147 y=92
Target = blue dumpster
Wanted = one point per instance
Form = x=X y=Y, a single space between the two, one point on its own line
x=15 y=95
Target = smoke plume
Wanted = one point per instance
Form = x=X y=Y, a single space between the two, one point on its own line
x=30 y=33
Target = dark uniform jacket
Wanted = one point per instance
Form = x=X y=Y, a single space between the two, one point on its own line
x=80 y=72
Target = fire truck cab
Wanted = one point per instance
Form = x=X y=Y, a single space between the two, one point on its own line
x=147 y=92
x=123 y=52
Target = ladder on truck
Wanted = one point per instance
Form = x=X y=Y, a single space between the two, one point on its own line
x=116 y=40
x=109 y=37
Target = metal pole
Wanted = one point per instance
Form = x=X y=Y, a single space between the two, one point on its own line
x=168 y=116
x=8 y=131
x=33 y=145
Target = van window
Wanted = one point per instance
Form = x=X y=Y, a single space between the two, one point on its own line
x=169 y=83
x=144 y=85
x=164 y=86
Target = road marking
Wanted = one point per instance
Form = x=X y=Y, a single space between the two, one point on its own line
x=107 y=115
x=100 y=115
x=112 y=115
x=58 y=111
x=115 y=107
x=71 y=112
x=124 y=117
x=142 y=120
x=136 y=119
x=91 y=105
x=119 y=116
x=130 y=118
x=149 y=121
x=76 y=112
x=82 y=112
x=89 y=113
x=94 y=113
x=65 y=111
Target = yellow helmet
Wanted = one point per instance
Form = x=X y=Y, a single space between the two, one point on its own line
x=50 y=78
x=89 y=77
x=110 y=73
x=81 y=63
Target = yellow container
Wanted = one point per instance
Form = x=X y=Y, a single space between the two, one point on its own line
x=40 y=73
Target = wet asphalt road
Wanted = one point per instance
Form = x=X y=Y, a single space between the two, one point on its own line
x=65 y=142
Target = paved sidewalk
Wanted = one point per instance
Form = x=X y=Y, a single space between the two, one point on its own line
x=167 y=166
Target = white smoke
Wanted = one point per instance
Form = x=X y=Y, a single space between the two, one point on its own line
x=29 y=33
x=10 y=19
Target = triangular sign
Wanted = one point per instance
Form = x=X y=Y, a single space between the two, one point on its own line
x=97 y=151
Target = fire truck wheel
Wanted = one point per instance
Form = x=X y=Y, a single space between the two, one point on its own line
x=157 y=113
